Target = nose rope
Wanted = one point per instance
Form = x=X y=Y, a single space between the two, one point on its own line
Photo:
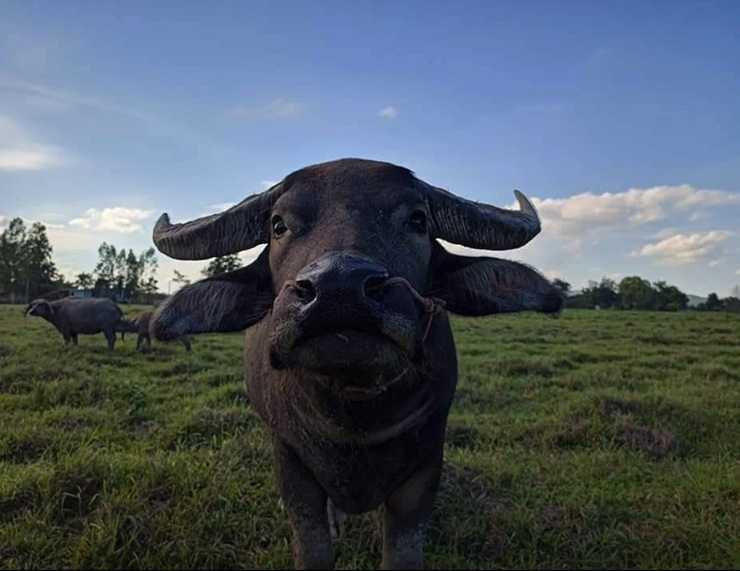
x=431 y=305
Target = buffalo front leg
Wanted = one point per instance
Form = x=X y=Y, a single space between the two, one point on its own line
x=186 y=342
x=305 y=504
x=407 y=512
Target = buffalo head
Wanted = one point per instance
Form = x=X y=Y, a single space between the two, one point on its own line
x=346 y=308
x=40 y=308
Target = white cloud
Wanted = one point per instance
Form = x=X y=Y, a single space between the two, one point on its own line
x=584 y=214
x=552 y=274
x=30 y=158
x=119 y=219
x=737 y=272
x=268 y=183
x=275 y=109
x=19 y=151
x=699 y=215
x=684 y=249
x=389 y=112
x=220 y=206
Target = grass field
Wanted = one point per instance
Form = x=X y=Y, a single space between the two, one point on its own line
x=597 y=440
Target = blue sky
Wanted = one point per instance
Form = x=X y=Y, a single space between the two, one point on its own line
x=619 y=119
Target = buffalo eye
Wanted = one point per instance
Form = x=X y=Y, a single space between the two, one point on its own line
x=418 y=221
x=278 y=226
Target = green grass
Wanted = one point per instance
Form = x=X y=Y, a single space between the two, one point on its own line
x=597 y=440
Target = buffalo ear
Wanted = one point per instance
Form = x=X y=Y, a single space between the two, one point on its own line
x=477 y=286
x=229 y=302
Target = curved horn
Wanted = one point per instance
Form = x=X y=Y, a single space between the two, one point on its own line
x=482 y=226
x=238 y=228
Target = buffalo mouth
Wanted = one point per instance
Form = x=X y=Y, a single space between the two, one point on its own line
x=357 y=352
x=348 y=349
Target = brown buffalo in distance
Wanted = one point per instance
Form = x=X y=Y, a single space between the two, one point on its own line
x=349 y=354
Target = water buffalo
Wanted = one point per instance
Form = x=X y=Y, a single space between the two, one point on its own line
x=349 y=354
x=74 y=315
x=140 y=326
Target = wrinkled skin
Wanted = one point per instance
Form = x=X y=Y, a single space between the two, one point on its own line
x=80 y=316
x=140 y=326
x=348 y=356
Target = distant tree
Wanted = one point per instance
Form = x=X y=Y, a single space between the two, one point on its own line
x=635 y=293
x=604 y=293
x=84 y=281
x=669 y=298
x=731 y=304
x=179 y=278
x=713 y=302
x=105 y=270
x=124 y=271
x=562 y=285
x=149 y=289
x=11 y=266
x=140 y=273
x=41 y=272
x=26 y=266
x=222 y=264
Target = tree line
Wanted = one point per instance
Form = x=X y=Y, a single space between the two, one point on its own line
x=634 y=292
x=27 y=271
x=121 y=274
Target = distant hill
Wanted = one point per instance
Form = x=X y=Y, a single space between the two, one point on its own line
x=695 y=300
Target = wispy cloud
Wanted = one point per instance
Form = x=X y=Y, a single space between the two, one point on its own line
x=119 y=219
x=33 y=158
x=9 y=83
x=155 y=123
x=275 y=109
x=19 y=151
x=684 y=249
x=389 y=112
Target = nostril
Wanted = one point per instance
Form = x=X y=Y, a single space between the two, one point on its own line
x=305 y=291
x=374 y=287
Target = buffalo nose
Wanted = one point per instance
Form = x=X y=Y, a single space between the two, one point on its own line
x=341 y=278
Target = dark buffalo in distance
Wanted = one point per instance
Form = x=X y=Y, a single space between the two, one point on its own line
x=349 y=355
x=141 y=326
x=73 y=316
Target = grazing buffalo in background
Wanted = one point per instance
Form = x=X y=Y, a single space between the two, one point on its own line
x=349 y=354
x=140 y=326
x=73 y=316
